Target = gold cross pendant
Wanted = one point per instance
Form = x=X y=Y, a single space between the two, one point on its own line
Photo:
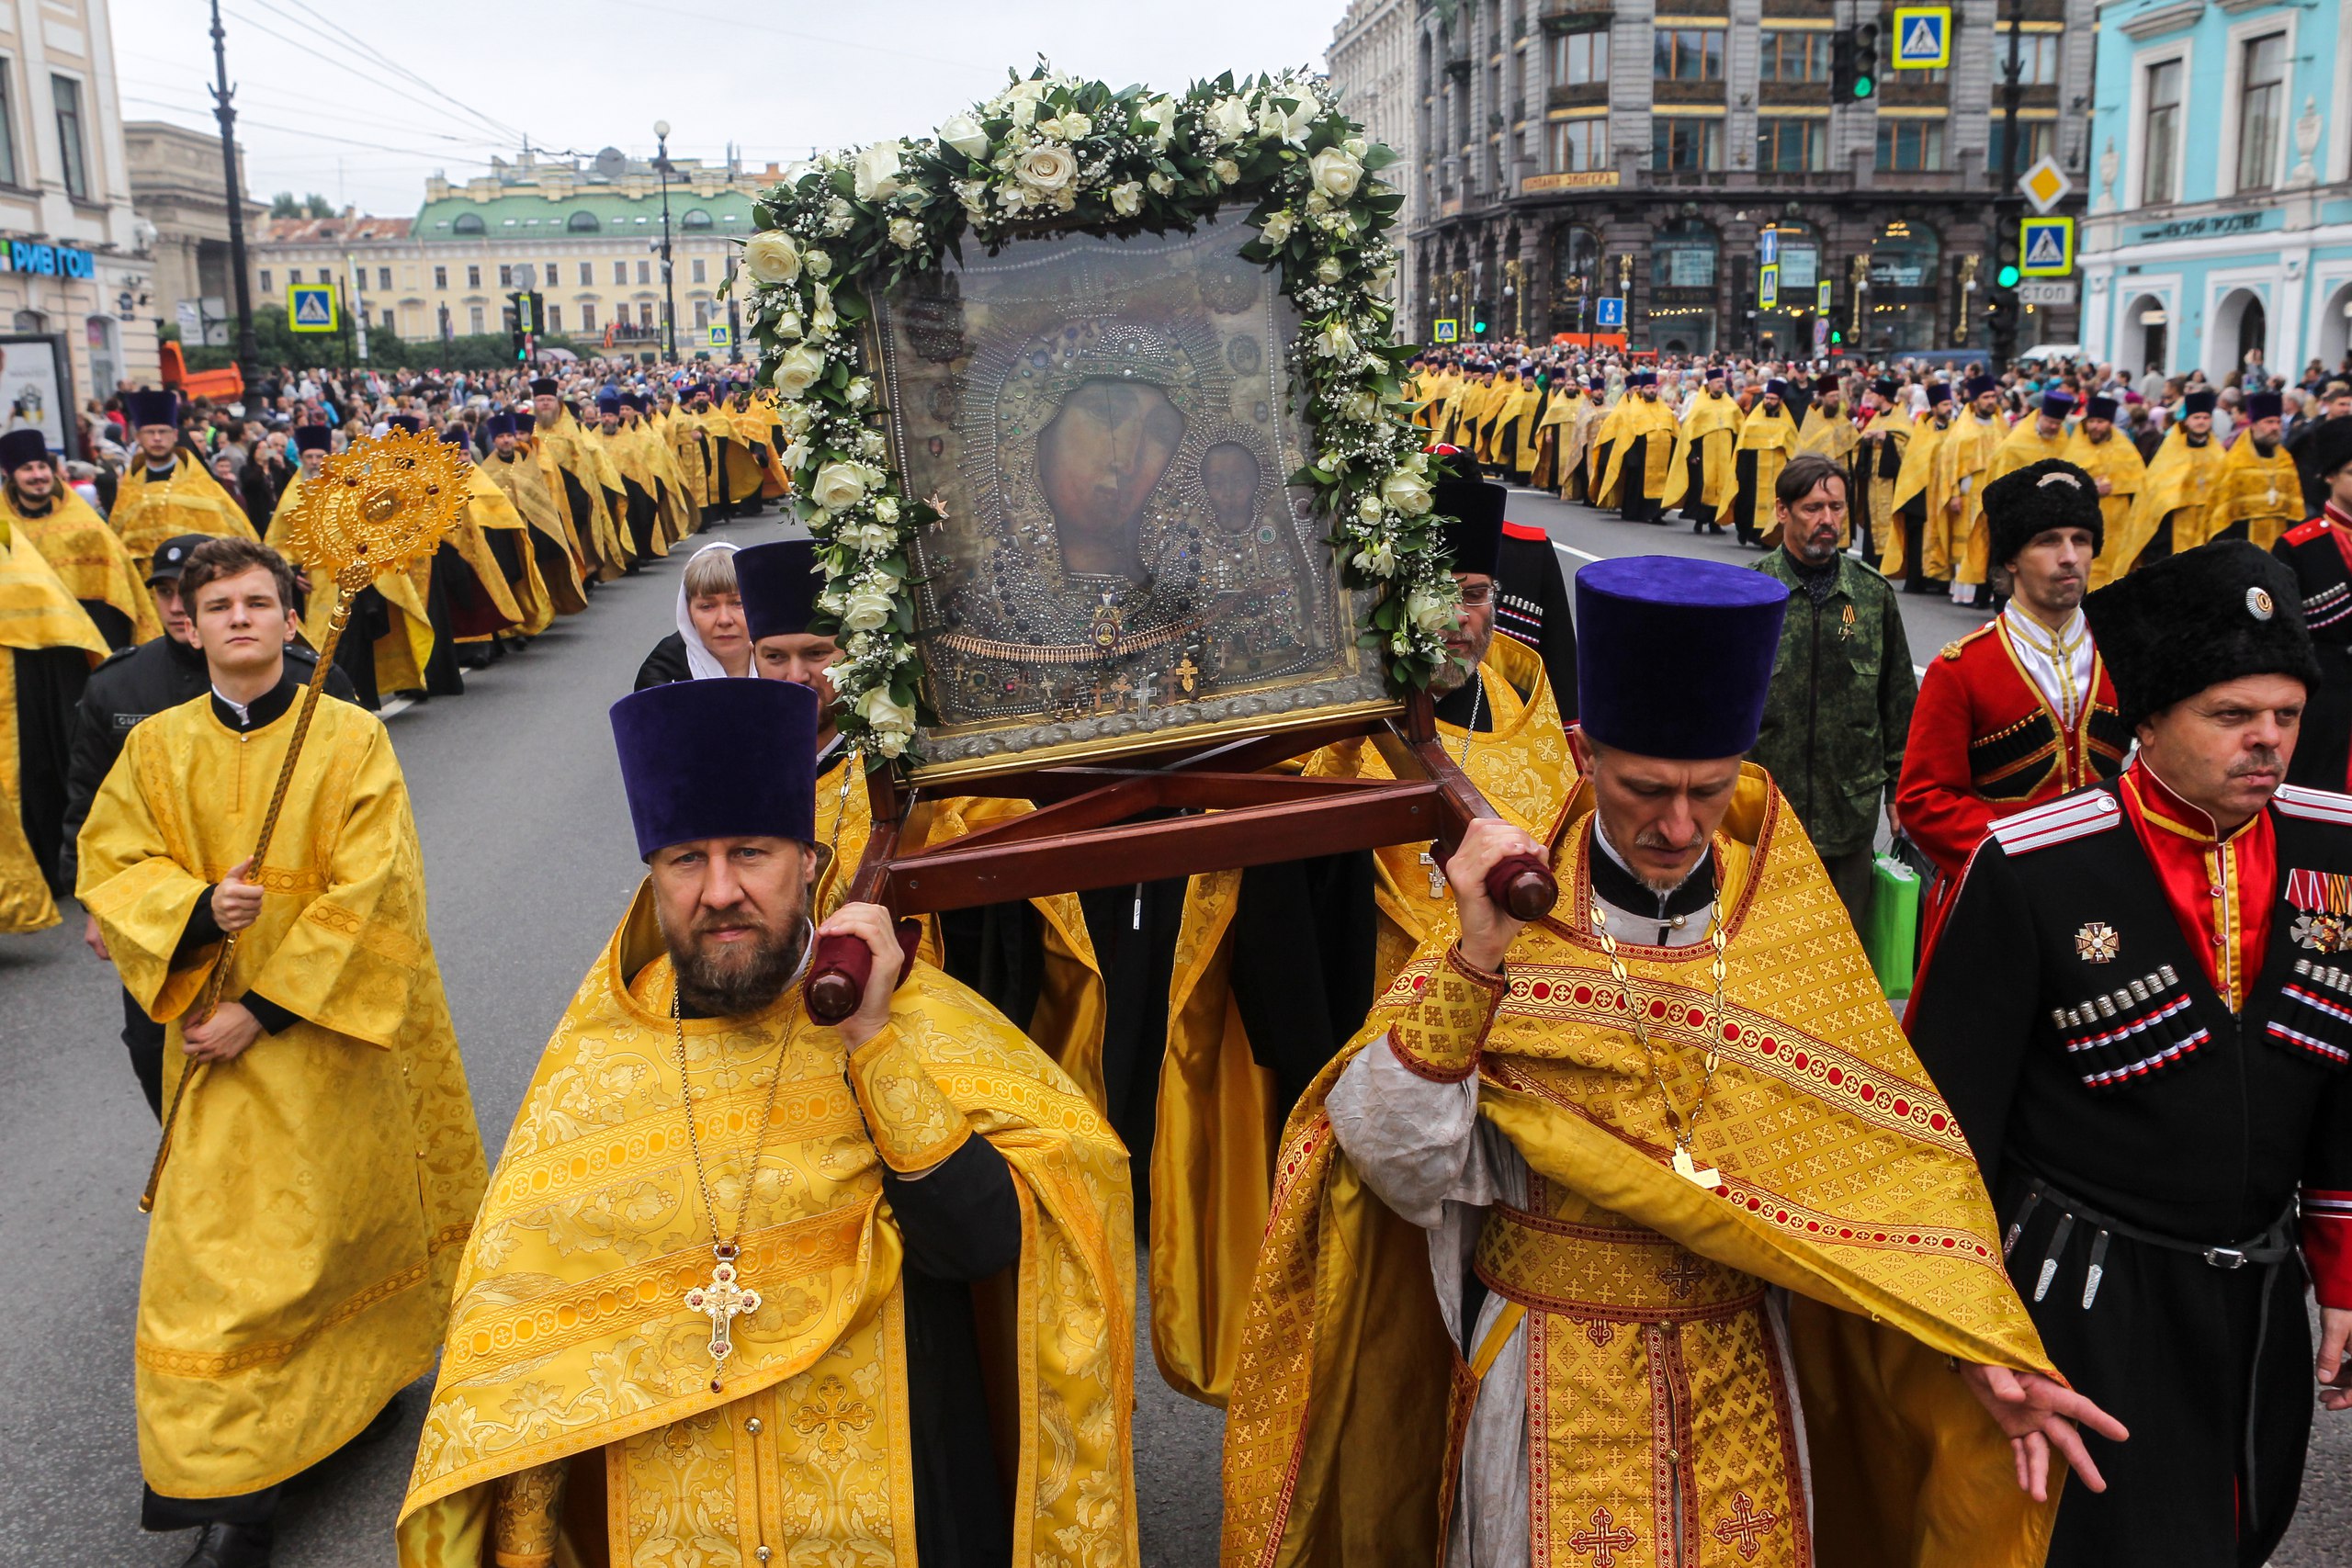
x=722 y=1300
x=1690 y=1170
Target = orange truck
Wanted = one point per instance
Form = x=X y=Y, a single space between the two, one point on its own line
x=217 y=385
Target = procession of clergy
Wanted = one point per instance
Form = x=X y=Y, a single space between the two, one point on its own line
x=1641 y=1232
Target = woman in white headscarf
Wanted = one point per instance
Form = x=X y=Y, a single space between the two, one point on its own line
x=711 y=641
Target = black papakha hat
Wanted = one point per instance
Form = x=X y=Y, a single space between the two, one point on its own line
x=1472 y=509
x=2052 y=493
x=2213 y=614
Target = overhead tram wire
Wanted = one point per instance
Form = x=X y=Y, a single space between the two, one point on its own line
x=306 y=131
x=372 y=77
x=357 y=45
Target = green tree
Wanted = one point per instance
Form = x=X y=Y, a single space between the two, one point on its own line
x=284 y=205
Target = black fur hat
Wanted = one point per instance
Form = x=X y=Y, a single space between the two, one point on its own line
x=1472 y=508
x=2052 y=493
x=2331 y=445
x=2213 y=614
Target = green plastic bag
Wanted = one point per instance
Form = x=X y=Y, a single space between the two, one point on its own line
x=1891 y=935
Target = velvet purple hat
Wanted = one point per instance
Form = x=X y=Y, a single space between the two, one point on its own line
x=2057 y=405
x=2264 y=405
x=2198 y=402
x=718 y=759
x=778 y=584
x=1980 y=385
x=499 y=425
x=407 y=422
x=21 y=446
x=314 y=438
x=1675 y=655
x=2099 y=408
x=142 y=409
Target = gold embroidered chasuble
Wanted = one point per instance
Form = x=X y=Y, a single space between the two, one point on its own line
x=523 y=596
x=1888 y=425
x=537 y=497
x=36 y=611
x=1965 y=455
x=2181 y=483
x=1710 y=429
x=603 y=535
x=1658 y=1419
x=88 y=556
x=406 y=646
x=191 y=502
x=684 y=432
x=307 y=1230
x=2264 y=494
x=2118 y=462
x=1635 y=417
x=1771 y=436
x=573 y=1363
x=1218 y=1119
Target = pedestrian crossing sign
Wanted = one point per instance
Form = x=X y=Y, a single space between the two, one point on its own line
x=2046 y=247
x=1922 y=37
x=1445 y=329
x=310 y=308
x=1768 y=287
x=720 y=335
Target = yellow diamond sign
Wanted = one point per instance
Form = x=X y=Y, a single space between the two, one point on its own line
x=2045 y=185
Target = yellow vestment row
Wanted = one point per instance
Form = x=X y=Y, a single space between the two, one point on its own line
x=603 y=535
x=1218 y=1116
x=1964 y=457
x=36 y=612
x=538 y=498
x=307 y=1230
x=1709 y=432
x=573 y=1361
x=1633 y=417
x=2180 y=485
x=1658 y=1419
x=405 y=647
x=191 y=502
x=89 y=558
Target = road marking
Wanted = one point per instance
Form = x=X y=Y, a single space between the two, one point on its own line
x=395 y=708
x=1919 y=670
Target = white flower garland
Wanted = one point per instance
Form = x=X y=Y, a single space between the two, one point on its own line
x=1052 y=153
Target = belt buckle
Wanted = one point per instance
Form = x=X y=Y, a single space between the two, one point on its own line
x=2224 y=1257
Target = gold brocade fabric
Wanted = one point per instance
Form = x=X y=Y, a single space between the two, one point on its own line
x=36 y=611
x=603 y=535
x=2180 y=483
x=1888 y=425
x=486 y=507
x=1217 y=1116
x=684 y=432
x=1833 y=435
x=491 y=509
x=526 y=488
x=2265 y=494
x=404 y=648
x=2118 y=462
x=1634 y=418
x=191 y=502
x=1710 y=428
x=1771 y=436
x=1967 y=453
x=1844 y=1179
x=307 y=1230
x=89 y=558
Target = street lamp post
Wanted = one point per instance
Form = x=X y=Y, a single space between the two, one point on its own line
x=669 y=294
x=246 y=353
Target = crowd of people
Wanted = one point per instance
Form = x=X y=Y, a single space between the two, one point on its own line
x=1643 y=1228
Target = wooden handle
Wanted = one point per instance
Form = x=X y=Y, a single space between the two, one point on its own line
x=841 y=967
x=1523 y=885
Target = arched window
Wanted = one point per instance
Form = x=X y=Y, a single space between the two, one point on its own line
x=695 y=218
x=30 y=321
x=467 y=223
x=582 y=222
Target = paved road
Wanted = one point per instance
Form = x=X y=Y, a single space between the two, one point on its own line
x=526 y=854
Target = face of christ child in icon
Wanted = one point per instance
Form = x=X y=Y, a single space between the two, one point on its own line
x=1230 y=475
x=1097 y=462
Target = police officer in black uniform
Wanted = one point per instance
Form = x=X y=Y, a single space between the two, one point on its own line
x=161 y=674
x=2140 y=1011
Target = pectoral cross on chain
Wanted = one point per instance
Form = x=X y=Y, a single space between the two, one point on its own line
x=722 y=1300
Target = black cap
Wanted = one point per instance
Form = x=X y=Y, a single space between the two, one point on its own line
x=2029 y=501
x=2331 y=445
x=171 y=558
x=544 y=387
x=2217 y=613
x=21 y=446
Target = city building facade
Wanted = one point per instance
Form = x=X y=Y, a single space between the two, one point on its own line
x=179 y=186
x=2221 y=224
x=73 y=255
x=586 y=236
x=1575 y=151
x=1371 y=65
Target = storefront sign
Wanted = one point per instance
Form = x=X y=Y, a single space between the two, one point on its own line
x=47 y=261
x=1581 y=179
x=2205 y=228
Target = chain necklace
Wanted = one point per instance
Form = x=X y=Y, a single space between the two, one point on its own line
x=1686 y=1165
x=832 y=874
x=724 y=1298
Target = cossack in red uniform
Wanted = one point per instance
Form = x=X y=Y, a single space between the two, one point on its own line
x=2319 y=553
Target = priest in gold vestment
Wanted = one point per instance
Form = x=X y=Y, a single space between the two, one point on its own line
x=1639 y=1231
x=2114 y=465
x=1705 y=478
x=528 y=479
x=2259 y=494
x=1963 y=462
x=2174 y=512
x=883 y=1315
x=168 y=490
x=1768 y=439
x=47 y=647
x=324 y=1167
x=88 y=556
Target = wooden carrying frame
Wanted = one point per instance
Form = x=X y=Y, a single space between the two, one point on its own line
x=1233 y=813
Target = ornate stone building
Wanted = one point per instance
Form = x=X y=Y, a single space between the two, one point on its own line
x=177 y=186
x=1569 y=150
x=1372 y=61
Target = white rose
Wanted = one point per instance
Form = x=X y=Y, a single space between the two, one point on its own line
x=822 y=320
x=796 y=369
x=796 y=420
x=1379 y=559
x=1075 y=125
x=817 y=262
x=1028 y=92
x=868 y=538
x=1335 y=342
x=1160 y=115
x=1278 y=227
x=1329 y=270
x=788 y=324
x=1428 y=611
x=1229 y=119
x=964 y=133
x=1362 y=406
x=1049 y=169
x=887 y=715
x=876 y=172
x=866 y=608
x=1126 y=200
x=870 y=444
x=838 y=216
x=886 y=509
x=1407 y=492
x=1226 y=171
x=1023 y=112
x=858 y=391
x=771 y=257
x=837 y=485
x=1159 y=182
x=1336 y=172
x=1369 y=508
x=904 y=233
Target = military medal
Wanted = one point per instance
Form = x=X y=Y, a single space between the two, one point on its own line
x=2097 y=943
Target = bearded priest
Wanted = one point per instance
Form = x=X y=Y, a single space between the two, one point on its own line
x=708 y=1320
x=1639 y=1230
x=86 y=554
x=168 y=491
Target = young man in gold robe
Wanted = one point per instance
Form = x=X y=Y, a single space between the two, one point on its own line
x=324 y=1169
x=2260 y=492
x=1768 y=439
x=88 y=556
x=47 y=647
x=1918 y=511
x=1639 y=1230
x=2115 y=466
x=168 y=491
x=1962 y=460
x=707 y=1319
x=1706 y=479
x=2173 y=513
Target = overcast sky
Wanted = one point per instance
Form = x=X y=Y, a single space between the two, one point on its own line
x=323 y=106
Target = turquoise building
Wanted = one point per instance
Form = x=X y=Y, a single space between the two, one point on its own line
x=2220 y=207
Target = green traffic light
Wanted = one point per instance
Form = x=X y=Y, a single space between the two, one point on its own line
x=1836 y=337
x=2009 y=278
x=1477 y=327
x=1863 y=86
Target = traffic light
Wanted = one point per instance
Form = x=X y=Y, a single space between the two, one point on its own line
x=1477 y=329
x=1864 y=83
x=2004 y=259
x=1841 y=64
x=527 y=308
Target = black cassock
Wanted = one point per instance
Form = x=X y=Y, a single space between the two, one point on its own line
x=1746 y=503
x=1874 y=469
x=1532 y=605
x=2144 y=1147
x=2325 y=584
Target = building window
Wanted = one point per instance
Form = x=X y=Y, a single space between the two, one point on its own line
x=1687 y=54
x=644 y=272
x=1911 y=146
x=1681 y=144
x=698 y=265
x=467 y=223
x=695 y=218
x=552 y=273
x=293 y=275
x=7 y=125
x=388 y=322
x=1785 y=143
x=2037 y=58
x=645 y=313
x=620 y=272
x=473 y=275
x=2036 y=139
x=1580 y=59
x=71 y=147
x=555 y=318
x=266 y=288
x=1790 y=55
x=2160 y=135
x=587 y=274
x=702 y=314
x=440 y=277
x=506 y=278
x=582 y=223
x=2260 y=90
x=1682 y=255
x=587 y=317
x=1579 y=144
x=473 y=319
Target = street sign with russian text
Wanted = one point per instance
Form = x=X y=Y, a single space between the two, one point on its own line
x=2046 y=292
